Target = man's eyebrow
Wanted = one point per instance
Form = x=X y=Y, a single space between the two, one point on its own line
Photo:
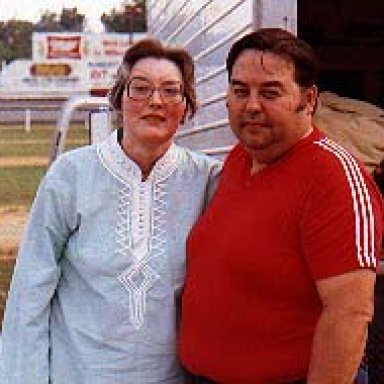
x=268 y=84
x=237 y=82
x=272 y=84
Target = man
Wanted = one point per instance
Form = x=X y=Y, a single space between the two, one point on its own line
x=375 y=347
x=280 y=269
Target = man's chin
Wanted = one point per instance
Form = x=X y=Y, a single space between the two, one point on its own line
x=256 y=144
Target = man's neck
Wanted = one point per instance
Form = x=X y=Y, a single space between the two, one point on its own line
x=259 y=161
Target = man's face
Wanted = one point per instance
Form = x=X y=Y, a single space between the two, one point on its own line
x=268 y=111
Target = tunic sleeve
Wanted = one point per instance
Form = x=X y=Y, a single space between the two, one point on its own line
x=213 y=180
x=25 y=333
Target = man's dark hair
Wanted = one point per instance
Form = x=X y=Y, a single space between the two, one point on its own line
x=281 y=43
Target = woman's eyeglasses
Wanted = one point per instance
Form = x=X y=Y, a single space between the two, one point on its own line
x=142 y=89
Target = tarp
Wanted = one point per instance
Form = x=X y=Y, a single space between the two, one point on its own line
x=357 y=125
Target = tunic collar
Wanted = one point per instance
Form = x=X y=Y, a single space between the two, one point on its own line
x=121 y=166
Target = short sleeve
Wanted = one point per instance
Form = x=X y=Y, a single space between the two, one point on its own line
x=341 y=223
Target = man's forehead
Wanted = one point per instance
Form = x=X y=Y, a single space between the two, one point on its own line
x=268 y=63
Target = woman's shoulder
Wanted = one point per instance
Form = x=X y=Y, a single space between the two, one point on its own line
x=73 y=162
x=77 y=156
x=198 y=158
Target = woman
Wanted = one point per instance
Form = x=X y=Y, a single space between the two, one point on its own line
x=94 y=292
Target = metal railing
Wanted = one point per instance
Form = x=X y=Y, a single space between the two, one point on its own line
x=68 y=108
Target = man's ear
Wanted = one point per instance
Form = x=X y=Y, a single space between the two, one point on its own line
x=311 y=99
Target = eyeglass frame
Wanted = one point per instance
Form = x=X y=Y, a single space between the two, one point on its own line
x=159 y=89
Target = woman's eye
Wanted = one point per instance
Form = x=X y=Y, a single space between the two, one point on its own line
x=141 y=89
x=171 y=91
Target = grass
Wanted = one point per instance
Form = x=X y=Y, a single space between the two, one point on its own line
x=44 y=132
x=18 y=185
x=38 y=148
x=15 y=141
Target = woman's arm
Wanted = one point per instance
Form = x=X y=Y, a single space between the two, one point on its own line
x=25 y=334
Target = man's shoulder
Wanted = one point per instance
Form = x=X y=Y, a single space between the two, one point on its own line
x=330 y=157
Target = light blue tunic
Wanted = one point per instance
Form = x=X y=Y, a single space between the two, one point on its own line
x=94 y=293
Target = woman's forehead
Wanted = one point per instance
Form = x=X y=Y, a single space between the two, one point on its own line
x=156 y=68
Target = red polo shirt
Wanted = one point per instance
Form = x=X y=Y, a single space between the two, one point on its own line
x=250 y=304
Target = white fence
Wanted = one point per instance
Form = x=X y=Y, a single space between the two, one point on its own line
x=206 y=28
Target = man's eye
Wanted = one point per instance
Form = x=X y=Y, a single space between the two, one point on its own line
x=270 y=94
x=240 y=92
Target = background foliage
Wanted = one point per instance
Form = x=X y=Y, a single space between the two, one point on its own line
x=15 y=35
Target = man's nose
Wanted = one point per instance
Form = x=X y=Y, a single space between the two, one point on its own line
x=253 y=102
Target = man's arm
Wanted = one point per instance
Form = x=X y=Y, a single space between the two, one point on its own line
x=341 y=332
x=380 y=268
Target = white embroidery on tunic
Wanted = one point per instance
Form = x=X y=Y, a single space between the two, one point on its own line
x=141 y=223
x=123 y=237
x=137 y=280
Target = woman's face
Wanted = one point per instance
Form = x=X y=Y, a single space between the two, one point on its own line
x=152 y=105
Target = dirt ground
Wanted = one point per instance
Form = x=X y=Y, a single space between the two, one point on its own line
x=12 y=223
x=14 y=161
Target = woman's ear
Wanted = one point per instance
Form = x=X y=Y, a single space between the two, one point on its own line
x=185 y=114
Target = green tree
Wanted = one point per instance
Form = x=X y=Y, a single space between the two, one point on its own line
x=15 y=40
x=69 y=20
x=128 y=19
x=48 y=23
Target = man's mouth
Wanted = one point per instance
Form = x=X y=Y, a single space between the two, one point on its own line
x=153 y=118
x=254 y=124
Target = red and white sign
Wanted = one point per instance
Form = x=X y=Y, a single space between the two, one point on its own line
x=64 y=47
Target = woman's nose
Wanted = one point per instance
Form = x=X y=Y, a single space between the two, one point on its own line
x=156 y=98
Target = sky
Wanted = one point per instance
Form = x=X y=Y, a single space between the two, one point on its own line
x=31 y=10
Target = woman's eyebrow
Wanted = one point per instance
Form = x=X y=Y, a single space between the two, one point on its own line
x=139 y=78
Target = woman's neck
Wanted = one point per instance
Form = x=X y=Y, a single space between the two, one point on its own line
x=145 y=156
